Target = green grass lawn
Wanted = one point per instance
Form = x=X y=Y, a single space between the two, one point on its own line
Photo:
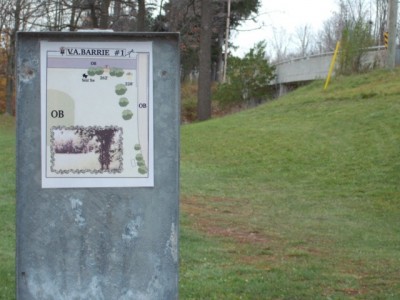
x=296 y=199
x=7 y=208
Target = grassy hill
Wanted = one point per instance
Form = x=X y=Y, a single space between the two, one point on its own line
x=302 y=196
x=296 y=199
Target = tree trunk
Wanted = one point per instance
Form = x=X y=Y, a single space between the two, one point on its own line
x=10 y=85
x=72 y=18
x=10 y=77
x=141 y=15
x=105 y=4
x=93 y=16
x=204 y=85
x=174 y=15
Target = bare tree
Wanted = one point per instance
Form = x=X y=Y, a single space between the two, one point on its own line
x=381 y=15
x=354 y=9
x=350 y=11
x=304 y=40
x=280 y=44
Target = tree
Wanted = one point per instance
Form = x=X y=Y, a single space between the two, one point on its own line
x=58 y=15
x=123 y=15
x=204 y=89
x=280 y=43
x=356 y=38
x=104 y=14
x=243 y=8
x=185 y=16
x=174 y=14
x=373 y=13
x=381 y=15
x=353 y=28
x=141 y=15
x=105 y=138
x=304 y=40
x=249 y=78
x=10 y=83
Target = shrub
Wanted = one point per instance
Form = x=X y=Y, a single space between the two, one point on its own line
x=118 y=72
x=123 y=101
x=127 y=114
x=120 y=89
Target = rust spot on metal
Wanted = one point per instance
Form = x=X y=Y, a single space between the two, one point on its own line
x=163 y=74
x=27 y=73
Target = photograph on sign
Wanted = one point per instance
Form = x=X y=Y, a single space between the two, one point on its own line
x=96 y=114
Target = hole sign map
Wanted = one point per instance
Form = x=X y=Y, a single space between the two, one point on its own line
x=96 y=114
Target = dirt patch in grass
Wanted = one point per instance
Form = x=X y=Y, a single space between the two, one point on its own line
x=215 y=217
x=226 y=218
x=239 y=235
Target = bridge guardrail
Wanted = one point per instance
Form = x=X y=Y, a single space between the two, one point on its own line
x=316 y=66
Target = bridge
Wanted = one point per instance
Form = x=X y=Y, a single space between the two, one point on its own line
x=295 y=72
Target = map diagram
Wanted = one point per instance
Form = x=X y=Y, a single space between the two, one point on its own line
x=96 y=114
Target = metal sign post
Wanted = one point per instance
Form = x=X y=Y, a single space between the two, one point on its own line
x=97 y=165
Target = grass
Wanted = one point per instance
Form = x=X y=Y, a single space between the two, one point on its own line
x=7 y=208
x=301 y=193
x=295 y=199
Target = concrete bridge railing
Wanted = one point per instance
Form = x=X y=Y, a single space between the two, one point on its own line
x=309 y=68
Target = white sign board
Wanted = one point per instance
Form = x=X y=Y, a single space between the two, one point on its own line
x=96 y=114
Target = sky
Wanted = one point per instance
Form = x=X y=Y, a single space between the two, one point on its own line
x=282 y=17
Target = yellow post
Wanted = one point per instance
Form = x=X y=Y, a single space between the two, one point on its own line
x=332 y=65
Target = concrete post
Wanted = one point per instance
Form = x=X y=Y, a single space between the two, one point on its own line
x=94 y=241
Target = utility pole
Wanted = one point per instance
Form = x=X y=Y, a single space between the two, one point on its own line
x=392 y=23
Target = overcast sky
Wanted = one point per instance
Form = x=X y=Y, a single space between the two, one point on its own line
x=277 y=16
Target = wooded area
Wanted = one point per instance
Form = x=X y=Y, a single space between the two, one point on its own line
x=129 y=16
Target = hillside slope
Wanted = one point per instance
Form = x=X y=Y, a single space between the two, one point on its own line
x=305 y=188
